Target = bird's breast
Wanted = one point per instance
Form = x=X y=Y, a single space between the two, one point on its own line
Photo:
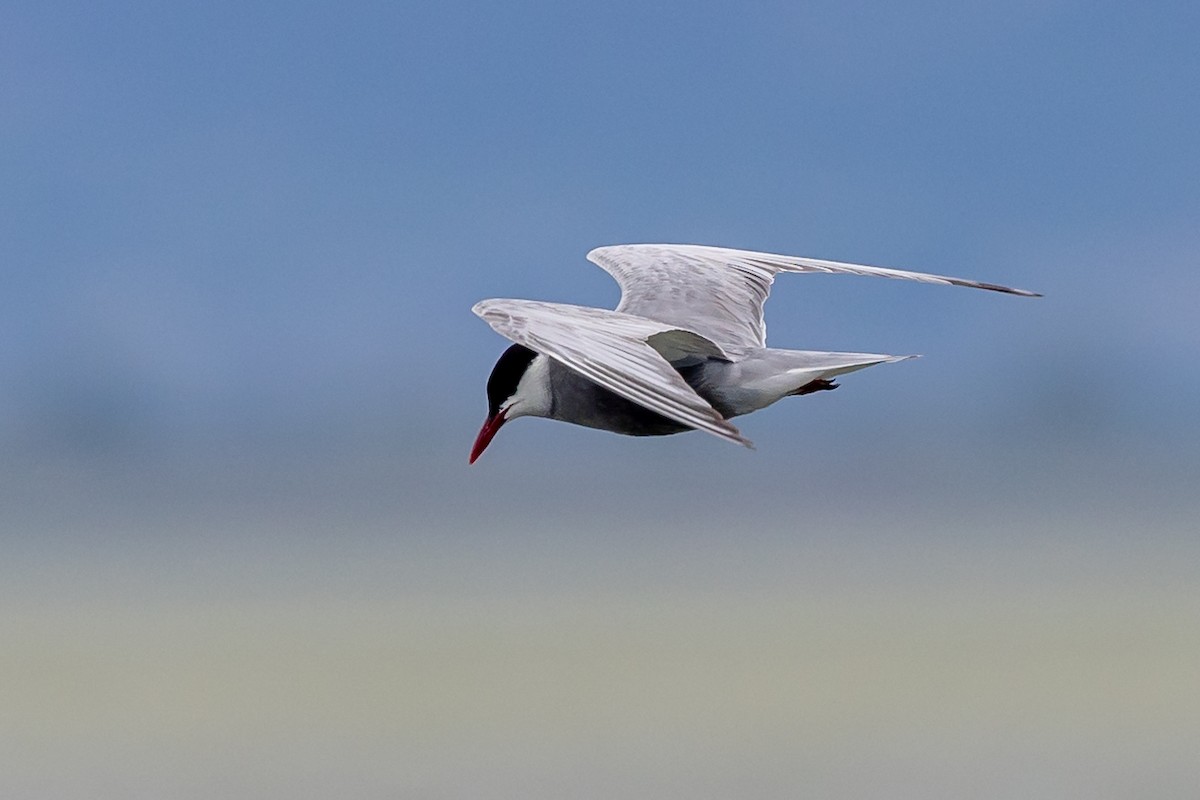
x=582 y=402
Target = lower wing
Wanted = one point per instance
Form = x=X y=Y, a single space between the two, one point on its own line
x=626 y=354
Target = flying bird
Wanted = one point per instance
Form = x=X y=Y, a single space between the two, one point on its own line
x=685 y=349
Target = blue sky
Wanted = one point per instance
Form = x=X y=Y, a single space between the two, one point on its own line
x=224 y=216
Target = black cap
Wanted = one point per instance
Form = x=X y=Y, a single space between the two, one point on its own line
x=506 y=375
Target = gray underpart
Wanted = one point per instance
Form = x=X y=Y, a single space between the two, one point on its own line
x=577 y=400
x=755 y=380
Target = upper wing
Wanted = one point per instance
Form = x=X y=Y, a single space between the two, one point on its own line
x=719 y=292
x=623 y=353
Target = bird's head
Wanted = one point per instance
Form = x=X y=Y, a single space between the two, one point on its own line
x=519 y=386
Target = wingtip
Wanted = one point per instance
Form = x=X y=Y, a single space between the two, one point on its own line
x=730 y=433
x=995 y=287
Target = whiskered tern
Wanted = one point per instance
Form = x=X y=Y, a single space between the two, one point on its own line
x=686 y=348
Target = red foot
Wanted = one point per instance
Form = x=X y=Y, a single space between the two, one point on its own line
x=819 y=385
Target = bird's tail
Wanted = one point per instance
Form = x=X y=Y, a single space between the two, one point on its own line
x=771 y=374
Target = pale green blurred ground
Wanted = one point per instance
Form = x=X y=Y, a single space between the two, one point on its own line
x=273 y=643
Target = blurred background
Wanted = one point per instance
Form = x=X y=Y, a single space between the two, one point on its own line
x=242 y=554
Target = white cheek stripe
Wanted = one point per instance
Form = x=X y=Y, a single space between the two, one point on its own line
x=532 y=397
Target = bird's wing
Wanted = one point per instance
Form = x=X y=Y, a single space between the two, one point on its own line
x=718 y=292
x=625 y=354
